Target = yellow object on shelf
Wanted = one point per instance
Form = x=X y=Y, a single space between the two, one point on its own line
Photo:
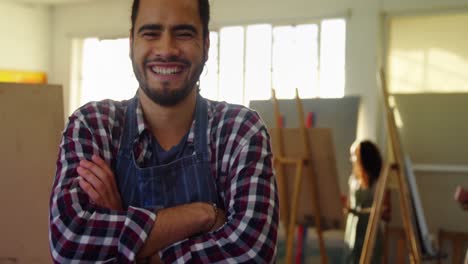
x=10 y=76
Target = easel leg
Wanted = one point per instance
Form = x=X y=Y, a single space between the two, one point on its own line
x=283 y=195
x=404 y=197
x=292 y=215
x=318 y=224
x=282 y=183
x=373 y=224
x=408 y=226
x=310 y=173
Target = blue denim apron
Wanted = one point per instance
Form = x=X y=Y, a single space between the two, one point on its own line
x=184 y=180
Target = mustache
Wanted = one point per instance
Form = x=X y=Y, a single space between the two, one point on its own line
x=167 y=60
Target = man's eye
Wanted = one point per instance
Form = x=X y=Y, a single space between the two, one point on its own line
x=150 y=35
x=185 y=35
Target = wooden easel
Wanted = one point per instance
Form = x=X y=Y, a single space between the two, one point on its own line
x=397 y=169
x=288 y=217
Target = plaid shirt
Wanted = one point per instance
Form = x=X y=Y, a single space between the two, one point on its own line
x=241 y=164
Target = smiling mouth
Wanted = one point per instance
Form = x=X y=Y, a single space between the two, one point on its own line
x=166 y=70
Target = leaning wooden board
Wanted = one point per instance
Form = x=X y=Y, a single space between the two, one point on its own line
x=31 y=118
x=323 y=163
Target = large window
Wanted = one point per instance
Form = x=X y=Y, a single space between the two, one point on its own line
x=244 y=63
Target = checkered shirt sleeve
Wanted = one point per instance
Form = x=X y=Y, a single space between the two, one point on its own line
x=80 y=232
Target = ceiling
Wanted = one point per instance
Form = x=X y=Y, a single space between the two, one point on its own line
x=50 y=2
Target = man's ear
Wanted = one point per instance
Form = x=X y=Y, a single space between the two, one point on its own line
x=206 y=46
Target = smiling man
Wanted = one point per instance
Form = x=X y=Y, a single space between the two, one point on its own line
x=166 y=176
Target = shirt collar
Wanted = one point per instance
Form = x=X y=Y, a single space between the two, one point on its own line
x=144 y=128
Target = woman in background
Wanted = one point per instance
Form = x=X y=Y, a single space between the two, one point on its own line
x=367 y=163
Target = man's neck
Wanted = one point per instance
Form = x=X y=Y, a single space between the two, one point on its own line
x=168 y=124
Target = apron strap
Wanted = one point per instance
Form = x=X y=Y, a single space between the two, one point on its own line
x=201 y=126
x=130 y=129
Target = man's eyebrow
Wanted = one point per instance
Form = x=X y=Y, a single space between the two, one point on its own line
x=150 y=27
x=185 y=27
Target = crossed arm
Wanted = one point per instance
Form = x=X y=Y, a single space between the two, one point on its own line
x=98 y=181
x=87 y=223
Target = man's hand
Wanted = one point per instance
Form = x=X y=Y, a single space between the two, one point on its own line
x=220 y=220
x=98 y=181
x=180 y=222
x=155 y=259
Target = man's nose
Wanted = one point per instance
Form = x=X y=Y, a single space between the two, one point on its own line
x=167 y=46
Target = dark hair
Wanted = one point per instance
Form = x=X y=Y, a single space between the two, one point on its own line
x=203 y=10
x=371 y=160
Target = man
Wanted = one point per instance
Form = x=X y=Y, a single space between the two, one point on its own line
x=166 y=175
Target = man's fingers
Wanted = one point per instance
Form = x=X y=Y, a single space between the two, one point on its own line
x=92 y=179
x=105 y=171
x=98 y=172
x=102 y=164
x=99 y=175
x=155 y=259
x=90 y=191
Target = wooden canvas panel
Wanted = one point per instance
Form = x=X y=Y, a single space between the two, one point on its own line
x=31 y=118
x=324 y=166
x=339 y=114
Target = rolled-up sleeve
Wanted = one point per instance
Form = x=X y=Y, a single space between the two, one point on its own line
x=78 y=230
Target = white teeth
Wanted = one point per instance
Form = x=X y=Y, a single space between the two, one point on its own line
x=165 y=71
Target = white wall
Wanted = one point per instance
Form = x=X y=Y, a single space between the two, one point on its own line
x=364 y=44
x=435 y=60
x=25 y=37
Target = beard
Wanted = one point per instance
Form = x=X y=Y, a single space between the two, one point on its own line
x=166 y=96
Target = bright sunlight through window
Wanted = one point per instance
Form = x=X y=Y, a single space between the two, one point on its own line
x=244 y=63
x=106 y=71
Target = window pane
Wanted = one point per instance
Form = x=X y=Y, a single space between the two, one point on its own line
x=295 y=60
x=284 y=81
x=332 y=58
x=209 y=77
x=231 y=66
x=306 y=53
x=258 y=63
x=107 y=71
